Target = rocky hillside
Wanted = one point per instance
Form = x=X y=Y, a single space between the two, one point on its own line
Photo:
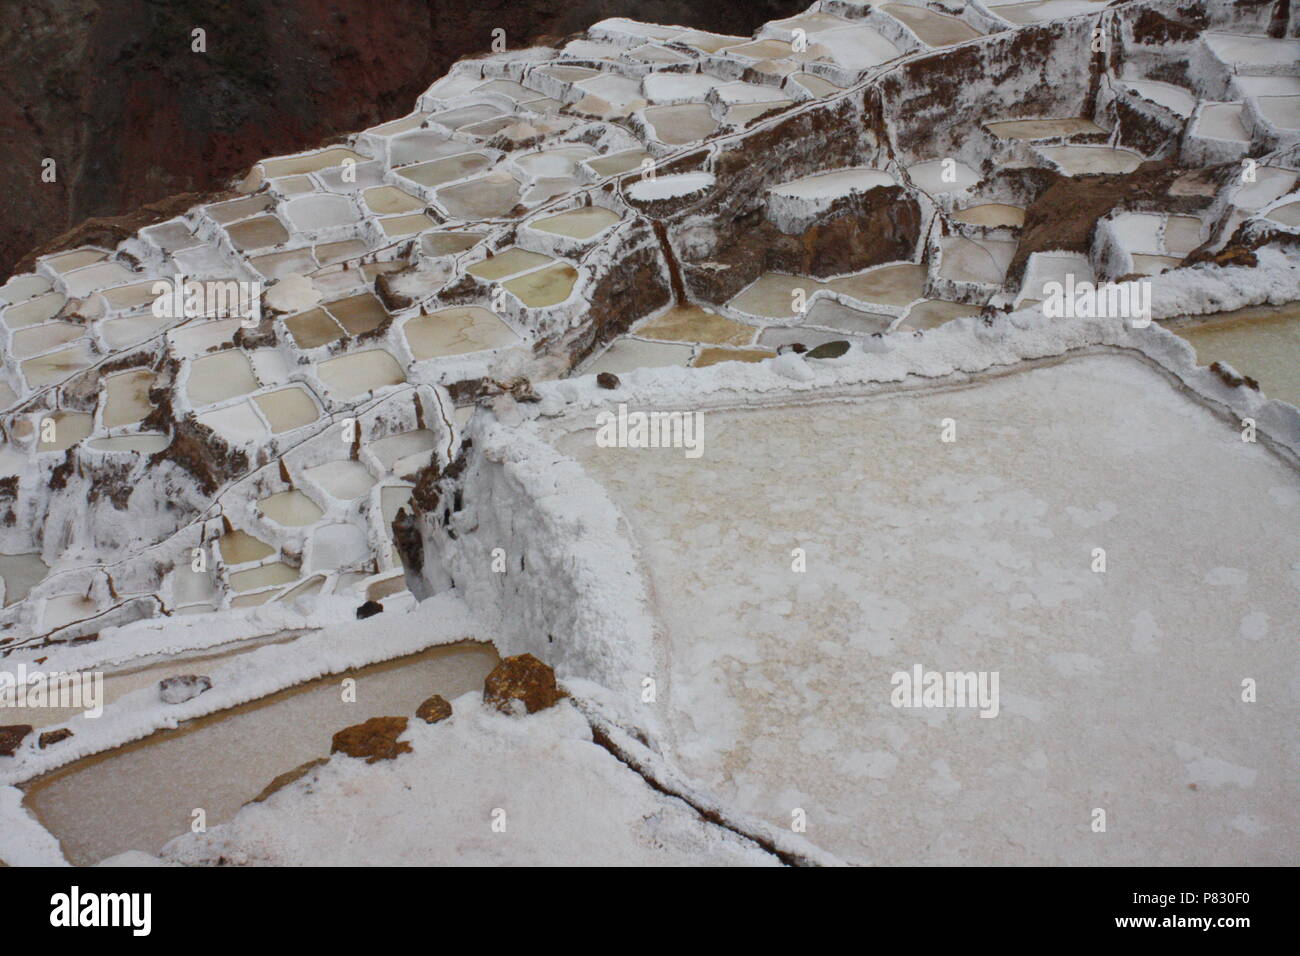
x=113 y=93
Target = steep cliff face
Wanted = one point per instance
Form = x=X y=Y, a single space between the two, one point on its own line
x=112 y=92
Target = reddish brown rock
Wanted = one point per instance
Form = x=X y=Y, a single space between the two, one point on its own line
x=289 y=776
x=375 y=740
x=434 y=709
x=607 y=380
x=11 y=736
x=53 y=737
x=522 y=678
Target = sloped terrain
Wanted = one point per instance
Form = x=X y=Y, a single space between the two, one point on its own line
x=372 y=393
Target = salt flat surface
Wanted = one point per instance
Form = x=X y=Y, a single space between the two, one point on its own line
x=1118 y=690
x=562 y=800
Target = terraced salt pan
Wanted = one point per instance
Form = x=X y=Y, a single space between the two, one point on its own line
x=19 y=574
x=615 y=164
x=348 y=376
x=777 y=336
x=1042 y=10
x=67 y=261
x=856 y=47
x=1288 y=215
x=239 y=547
x=126 y=397
x=679 y=87
x=993 y=214
x=310 y=162
x=975 y=260
x=56 y=366
x=359 y=313
x=237 y=423
x=933 y=313
x=144 y=444
x=41 y=338
x=772 y=295
x=141 y=795
x=554 y=163
x=681 y=124
x=457 y=331
x=237 y=209
x=1042 y=128
x=1171 y=97
x=669 y=187
x=215 y=378
x=291 y=508
x=287 y=408
x=1271 y=182
x=449 y=243
x=386 y=200
x=1268 y=85
x=465 y=115
x=69 y=428
x=21 y=288
x=1281 y=111
x=1253 y=52
x=1085 y=160
x=933 y=29
x=690 y=323
x=345 y=479
x=545 y=287
x=840 y=182
x=1262 y=342
x=934 y=176
x=405 y=451
x=835 y=315
x=321 y=212
x=1117 y=690
x=397 y=226
x=314 y=328
x=446 y=170
x=1221 y=121
x=716 y=356
x=628 y=354
x=34 y=310
x=508 y=262
x=487 y=197
x=578 y=223
x=267 y=575
x=1153 y=265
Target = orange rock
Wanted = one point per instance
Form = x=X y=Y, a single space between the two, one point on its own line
x=289 y=776
x=434 y=709
x=376 y=739
x=523 y=678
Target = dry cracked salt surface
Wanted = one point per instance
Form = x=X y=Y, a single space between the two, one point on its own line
x=1118 y=690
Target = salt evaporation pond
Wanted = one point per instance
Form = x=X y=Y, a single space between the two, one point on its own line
x=139 y=796
x=1117 y=689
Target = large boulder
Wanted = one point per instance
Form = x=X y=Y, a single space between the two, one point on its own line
x=521 y=681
